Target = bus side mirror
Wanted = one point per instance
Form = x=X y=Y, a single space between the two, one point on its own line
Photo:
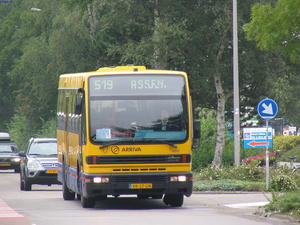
x=196 y=133
x=78 y=106
x=197 y=129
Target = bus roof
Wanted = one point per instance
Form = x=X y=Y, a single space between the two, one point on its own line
x=76 y=80
x=128 y=67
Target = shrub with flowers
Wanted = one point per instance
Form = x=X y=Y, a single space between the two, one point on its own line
x=260 y=159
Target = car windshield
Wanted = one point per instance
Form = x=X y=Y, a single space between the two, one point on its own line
x=5 y=148
x=43 y=148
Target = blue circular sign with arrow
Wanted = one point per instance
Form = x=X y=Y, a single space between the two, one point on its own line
x=267 y=108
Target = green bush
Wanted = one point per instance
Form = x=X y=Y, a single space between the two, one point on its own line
x=288 y=203
x=219 y=185
x=283 y=183
x=21 y=130
x=204 y=155
x=48 y=129
x=210 y=173
x=245 y=172
x=285 y=143
x=228 y=185
x=228 y=154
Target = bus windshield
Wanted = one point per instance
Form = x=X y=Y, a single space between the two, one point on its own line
x=144 y=108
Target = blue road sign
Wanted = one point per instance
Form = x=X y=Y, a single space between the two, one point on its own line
x=267 y=108
x=256 y=137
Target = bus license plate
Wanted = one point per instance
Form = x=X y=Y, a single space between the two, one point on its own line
x=140 y=186
x=51 y=171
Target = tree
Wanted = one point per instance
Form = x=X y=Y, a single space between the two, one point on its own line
x=9 y=51
x=275 y=25
x=58 y=44
x=188 y=35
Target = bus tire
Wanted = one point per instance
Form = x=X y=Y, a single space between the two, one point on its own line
x=67 y=194
x=176 y=200
x=87 y=202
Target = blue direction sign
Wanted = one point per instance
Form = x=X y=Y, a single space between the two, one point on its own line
x=267 y=108
x=256 y=137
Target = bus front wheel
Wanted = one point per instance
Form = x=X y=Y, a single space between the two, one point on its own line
x=174 y=200
x=87 y=202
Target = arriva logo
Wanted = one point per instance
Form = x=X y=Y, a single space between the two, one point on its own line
x=115 y=149
x=131 y=149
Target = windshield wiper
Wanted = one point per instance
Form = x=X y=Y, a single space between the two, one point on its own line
x=143 y=139
x=161 y=141
x=110 y=143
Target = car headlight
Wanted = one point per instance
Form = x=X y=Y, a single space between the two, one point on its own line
x=17 y=159
x=32 y=164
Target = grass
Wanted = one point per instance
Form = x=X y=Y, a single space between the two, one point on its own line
x=284 y=184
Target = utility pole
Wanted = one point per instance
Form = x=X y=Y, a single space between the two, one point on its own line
x=236 y=95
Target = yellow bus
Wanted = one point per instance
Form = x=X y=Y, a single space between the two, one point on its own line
x=125 y=130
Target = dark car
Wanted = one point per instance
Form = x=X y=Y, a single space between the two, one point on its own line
x=39 y=163
x=9 y=153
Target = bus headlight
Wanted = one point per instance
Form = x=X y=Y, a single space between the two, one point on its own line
x=98 y=180
x=180 y=178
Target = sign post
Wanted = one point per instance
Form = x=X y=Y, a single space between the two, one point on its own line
x=267 y=109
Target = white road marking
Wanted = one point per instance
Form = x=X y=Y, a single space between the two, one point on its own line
x=247 y=205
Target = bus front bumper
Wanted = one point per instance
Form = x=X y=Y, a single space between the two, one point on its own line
x=137 y=184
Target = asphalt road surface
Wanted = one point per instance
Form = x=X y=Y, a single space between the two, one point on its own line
x=45 y=206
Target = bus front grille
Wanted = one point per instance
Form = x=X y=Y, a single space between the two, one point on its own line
x=139 y=179
x=138 y=159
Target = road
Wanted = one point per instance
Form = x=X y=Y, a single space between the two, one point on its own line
x=44 y=206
